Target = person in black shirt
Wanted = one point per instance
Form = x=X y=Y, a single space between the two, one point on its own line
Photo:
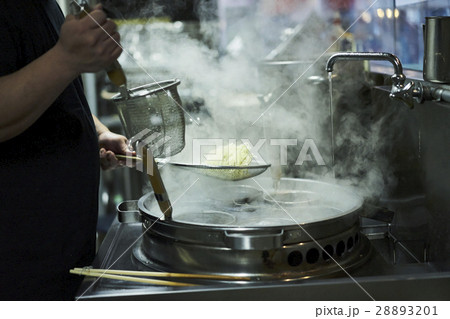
x=49 y=146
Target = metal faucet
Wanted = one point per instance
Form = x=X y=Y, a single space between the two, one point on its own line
x=406 y=93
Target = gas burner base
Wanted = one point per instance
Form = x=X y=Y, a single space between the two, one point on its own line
x=289 y=263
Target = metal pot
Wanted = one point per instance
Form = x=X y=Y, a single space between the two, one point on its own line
x=436 y=62
x=265 y=243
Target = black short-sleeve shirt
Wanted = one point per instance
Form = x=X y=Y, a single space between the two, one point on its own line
x=49 y=174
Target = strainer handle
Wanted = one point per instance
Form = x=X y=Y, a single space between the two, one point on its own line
x=156 y=181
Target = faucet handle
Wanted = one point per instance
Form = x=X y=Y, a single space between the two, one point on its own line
x=407 y=93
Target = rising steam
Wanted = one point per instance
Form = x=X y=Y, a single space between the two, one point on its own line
x=237 y=89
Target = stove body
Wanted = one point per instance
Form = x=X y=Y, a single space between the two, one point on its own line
x=378 y=279
x=284 y=262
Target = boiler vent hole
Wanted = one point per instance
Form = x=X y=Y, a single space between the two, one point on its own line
x=312 y=256
x=327 y=252
x=295 y=258
x=340 y=248
x=350 y=243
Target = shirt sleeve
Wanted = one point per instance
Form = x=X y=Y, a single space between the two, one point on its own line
x=9 y=45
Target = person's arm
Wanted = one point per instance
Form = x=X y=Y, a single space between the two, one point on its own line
x=83 y=46
x=27 y=93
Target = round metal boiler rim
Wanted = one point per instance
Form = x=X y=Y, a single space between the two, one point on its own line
x=215 y=235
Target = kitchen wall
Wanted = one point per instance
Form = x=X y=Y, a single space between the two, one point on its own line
x=418 y=148
x=417 y=152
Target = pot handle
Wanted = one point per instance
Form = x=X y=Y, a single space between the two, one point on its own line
x=258 y=241
x=128 y=212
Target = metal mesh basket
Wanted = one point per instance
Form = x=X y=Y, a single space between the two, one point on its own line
x=153 y=114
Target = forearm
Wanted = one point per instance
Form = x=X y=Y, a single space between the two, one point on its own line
x=99 y=126
x=85 y=45
x=27 y=93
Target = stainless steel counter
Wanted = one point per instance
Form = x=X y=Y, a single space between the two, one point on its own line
x=378 y=279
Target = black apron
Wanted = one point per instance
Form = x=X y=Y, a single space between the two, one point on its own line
x=49 y=174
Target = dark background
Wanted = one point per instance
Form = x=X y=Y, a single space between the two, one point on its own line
x=175 y=10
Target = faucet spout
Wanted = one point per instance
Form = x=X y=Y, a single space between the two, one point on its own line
x=376 y=56
x=405 y=93
x=382 y=56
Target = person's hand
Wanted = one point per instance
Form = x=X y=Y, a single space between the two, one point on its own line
x=111 y=144
x=91 y=43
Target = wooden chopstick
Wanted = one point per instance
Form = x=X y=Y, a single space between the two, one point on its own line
x=125 y=157
x=87 y=272
x=162 y=274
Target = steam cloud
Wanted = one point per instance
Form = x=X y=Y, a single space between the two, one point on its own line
x=231 y=78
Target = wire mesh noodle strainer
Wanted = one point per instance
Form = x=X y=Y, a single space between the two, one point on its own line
x=228 y=173
x=235 y=164
x=153 y=114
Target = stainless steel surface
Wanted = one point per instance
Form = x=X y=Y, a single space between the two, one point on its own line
x=261 y=256
x=213 y=233
x=153 y=114
x=436 y=61
x=380 y=279
x=407 y=93
x=418 y=159
x=128 y=212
